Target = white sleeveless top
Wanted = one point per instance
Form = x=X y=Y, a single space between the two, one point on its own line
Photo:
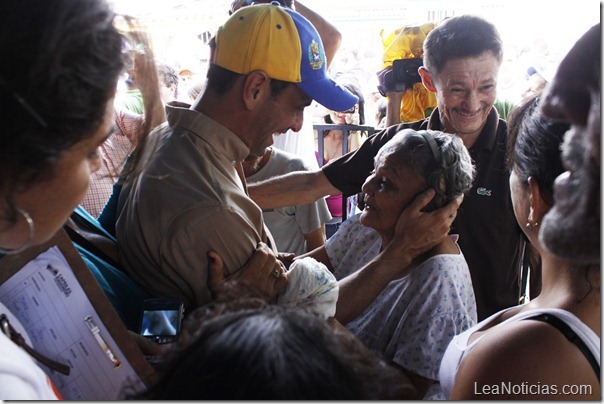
x=458 y=347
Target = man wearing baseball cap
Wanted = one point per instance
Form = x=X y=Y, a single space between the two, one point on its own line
x=267 y=65
x=283 y=44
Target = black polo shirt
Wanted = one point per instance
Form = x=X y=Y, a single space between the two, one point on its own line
x=489 y=236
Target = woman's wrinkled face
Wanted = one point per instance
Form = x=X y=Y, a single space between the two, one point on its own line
x=389 y=189
x=51 y=201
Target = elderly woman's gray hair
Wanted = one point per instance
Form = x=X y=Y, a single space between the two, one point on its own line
x=440 y=158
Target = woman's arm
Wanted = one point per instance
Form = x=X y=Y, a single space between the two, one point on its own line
x=315 y=238
x=319 y=254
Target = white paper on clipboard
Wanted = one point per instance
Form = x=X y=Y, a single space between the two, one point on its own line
x=62 y=323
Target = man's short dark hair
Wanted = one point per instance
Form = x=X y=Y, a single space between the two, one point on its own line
x=221 y=80
x=460 y=37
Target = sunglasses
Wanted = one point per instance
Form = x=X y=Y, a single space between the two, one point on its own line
x=350 y=111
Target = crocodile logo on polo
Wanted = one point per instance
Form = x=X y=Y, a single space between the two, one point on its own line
x=483 y=191
x=315 y=56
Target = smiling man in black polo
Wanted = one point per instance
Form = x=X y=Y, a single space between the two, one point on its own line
x=462 y=57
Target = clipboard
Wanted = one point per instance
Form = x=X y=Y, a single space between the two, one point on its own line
x=19 y=291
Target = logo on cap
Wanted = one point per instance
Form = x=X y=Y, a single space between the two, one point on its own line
x=314 y=55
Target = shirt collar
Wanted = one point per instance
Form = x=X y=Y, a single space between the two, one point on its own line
x=488 y=135
x=180 y=114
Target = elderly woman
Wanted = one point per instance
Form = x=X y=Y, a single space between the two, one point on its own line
x=412 y=320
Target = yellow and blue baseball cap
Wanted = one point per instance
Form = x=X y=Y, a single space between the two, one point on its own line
x=283 y=44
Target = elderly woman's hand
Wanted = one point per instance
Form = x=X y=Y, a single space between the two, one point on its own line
x=417 y=231
x=262 y=272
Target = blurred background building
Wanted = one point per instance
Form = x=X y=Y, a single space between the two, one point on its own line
x=535 y=32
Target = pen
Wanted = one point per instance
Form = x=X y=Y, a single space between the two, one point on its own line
x=97 y=335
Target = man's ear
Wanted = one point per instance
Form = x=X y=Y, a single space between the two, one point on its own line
x=427 y=79
x=256 y=88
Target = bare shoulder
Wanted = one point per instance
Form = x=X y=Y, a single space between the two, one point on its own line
x=525 y=360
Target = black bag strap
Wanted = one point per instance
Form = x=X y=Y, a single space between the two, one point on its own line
x=86 y=235
x=571 y=336
x=77 y=238
x=18 y=339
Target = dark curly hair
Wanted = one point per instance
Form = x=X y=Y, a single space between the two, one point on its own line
x=62 y=63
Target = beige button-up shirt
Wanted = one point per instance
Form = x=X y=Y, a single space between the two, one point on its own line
x=188 y=200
